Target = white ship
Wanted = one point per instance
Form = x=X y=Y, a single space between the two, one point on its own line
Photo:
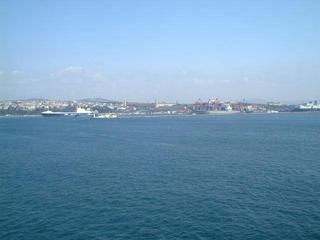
x=104 y=116
x=272 y=111
x=78 y=113
x=311 y=106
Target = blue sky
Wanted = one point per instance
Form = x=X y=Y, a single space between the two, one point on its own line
x=168 y=50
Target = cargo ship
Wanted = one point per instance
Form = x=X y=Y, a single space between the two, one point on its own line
x=78 y=113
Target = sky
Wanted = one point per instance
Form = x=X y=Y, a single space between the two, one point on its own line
x=177 y=50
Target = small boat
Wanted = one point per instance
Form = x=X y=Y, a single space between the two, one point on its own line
x=272 y=111
x=104 y=116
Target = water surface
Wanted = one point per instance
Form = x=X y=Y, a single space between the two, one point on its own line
x=204 y=177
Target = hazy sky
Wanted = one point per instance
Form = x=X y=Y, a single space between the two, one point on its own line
x=167 y=50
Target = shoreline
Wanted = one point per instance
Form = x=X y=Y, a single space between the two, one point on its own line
x=168 y=115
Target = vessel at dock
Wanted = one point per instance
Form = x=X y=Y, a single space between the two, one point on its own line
x=80 y=112
x=310 y=106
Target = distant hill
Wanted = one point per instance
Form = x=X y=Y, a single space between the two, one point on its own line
x=96 y=100
x=32 y=99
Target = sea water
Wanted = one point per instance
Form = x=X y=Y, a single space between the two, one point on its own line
x=198 y=177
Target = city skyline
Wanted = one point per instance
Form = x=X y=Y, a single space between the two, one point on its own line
x=168 y=51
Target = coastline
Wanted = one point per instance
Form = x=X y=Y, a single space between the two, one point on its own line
x=169 y=115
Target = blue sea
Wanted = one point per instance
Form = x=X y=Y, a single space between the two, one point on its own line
x=199 y=177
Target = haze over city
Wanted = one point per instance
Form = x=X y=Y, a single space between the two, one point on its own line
x=168 y=50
